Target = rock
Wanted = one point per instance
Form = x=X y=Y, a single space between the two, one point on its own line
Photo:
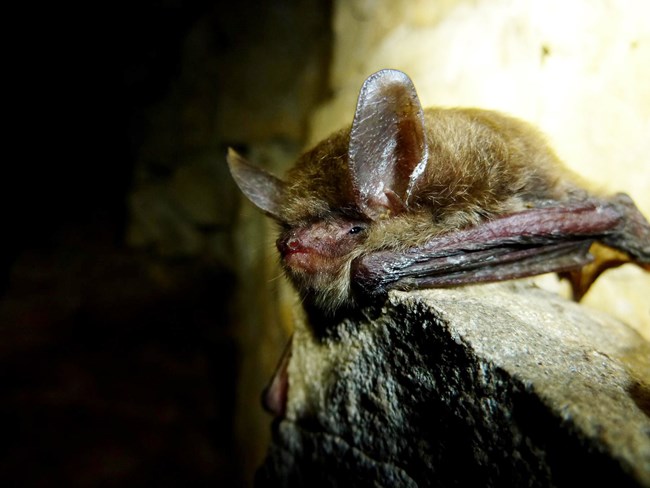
x=492 y=385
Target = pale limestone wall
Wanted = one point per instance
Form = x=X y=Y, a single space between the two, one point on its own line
x=578 y=69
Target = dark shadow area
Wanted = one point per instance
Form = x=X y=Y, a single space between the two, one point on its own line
x=116 y=370
x=119 y=363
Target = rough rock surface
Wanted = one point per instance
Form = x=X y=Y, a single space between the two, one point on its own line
x=493 y=385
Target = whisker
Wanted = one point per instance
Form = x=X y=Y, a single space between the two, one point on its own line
x=279 y=276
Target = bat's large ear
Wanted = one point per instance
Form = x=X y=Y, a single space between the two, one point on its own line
x=388 y=149
x=263 y=189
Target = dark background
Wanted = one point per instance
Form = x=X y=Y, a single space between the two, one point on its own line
x=120 y=361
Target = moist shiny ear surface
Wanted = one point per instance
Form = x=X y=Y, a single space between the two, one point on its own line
x=388 y=150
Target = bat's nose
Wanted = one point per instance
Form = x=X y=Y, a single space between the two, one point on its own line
x=289 y=244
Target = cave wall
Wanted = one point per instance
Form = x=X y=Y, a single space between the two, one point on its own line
x=143 y=309
x=248 y=76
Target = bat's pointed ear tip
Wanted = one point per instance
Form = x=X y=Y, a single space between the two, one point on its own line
x=231 y=154
x=389 y=72
x=234 y=159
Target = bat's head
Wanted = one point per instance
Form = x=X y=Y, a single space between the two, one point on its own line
x=316 y=242
x=337 y=193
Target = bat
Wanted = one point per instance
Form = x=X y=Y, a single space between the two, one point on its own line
x=408 y=198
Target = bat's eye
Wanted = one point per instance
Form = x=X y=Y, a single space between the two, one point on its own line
x=357 y=229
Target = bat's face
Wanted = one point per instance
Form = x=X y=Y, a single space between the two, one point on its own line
x=317 y=257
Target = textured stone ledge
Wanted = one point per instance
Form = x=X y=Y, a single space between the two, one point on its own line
x=493 y=385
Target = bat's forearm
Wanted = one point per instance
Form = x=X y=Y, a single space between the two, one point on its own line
x=536 y=241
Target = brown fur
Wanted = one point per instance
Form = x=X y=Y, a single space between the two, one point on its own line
x=481 y=164
x=399 y=177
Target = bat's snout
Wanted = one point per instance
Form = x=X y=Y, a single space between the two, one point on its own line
x=290 y=244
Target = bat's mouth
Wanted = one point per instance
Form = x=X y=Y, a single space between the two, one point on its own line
x=298 y=257
x=291 y=252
